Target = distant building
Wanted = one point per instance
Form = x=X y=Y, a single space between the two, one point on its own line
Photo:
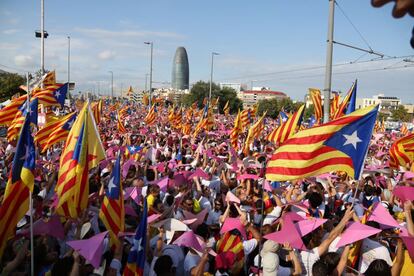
x=386 y=103
x=180 y=71
x=235 y=86
x=251 y=97
x=170 y=94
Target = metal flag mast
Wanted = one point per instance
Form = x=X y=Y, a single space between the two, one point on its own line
x=329 y=54
x=30 y=192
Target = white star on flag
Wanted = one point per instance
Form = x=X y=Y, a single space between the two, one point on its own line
x=70 y=123
x=111 y=185
x=57 y=94
x=137 y=245
x=352 y=139
x=26 y=153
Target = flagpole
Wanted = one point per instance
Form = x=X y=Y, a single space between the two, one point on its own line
x=30 y=193
x=262 y=212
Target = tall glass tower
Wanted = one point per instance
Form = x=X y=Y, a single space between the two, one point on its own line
x=180 y=70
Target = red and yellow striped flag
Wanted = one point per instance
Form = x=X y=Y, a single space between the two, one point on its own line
x=178 y=119
x=97 y=111
x=206 y=121
x=8 y=113
x=14 y=129
x=402 y=152
x=226 y=108
x=171 y=114
x=339 y=145
x=316 y=98
x=151 y=116
x=51 y=95
x=287 y=129
x=345 y=105
x=235 y=132
x=54 y=132
x=404 y=129
x=254 y=132
x=382 y=128
x=112 y=212
x=83 y=151
x=15 y=202
x=246 y=118
x=50 y=78
x=120 y=124
x=186 y=129
x=334 y=104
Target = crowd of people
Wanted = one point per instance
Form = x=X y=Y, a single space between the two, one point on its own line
x=210 y=211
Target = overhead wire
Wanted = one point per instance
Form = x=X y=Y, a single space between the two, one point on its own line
x=352 y=24
x=313 y=68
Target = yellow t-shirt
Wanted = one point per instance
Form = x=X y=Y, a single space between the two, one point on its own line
x=408 y=265
x=150 y=200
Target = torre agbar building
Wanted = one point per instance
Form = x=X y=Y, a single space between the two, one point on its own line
x=180 y=70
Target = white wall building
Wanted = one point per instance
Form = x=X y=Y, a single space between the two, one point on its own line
x=386 y=103
x=251 y=97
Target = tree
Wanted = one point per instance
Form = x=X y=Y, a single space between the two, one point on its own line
x=309 y=112
x=9 y=85
x=400 y=114
x=200 y=90
x=382 y=116
x=273 y=106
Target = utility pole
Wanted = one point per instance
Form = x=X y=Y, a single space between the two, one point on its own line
x=328 y=70
x=69 y=66
x=211 y=75
x=42 y=37
x=112 y=85
x=150 y=80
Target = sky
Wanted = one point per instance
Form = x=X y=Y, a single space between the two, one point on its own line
x=271 y=43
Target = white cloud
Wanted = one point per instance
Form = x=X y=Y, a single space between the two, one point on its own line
x=9 y=46
x=122 y=34
x=10 y=31
x=106 y=55
x=24 y=61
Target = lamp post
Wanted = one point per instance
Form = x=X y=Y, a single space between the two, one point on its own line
x=42 y=36
x=150 y=80
x=211 y=74
x=69 y=62
x=146 y=82
x=112 y=84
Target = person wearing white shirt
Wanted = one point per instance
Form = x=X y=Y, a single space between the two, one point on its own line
x=371 y=250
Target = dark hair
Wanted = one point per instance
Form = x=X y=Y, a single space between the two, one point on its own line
x=150 y=175
x=378 y=267
x=163 y=265
x=62 y=266
x=202 y=230
x=169 y=199
x=373 y=224
x=320 y=268
x=331 y=260
x=369 y=190
x=315 y=199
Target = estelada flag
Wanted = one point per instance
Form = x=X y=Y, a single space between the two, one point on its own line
x=339 y=145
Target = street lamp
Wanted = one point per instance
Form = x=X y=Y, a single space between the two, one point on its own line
x=69 y=61
x=211 y=74
x=112 y=84
x=150 y=80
